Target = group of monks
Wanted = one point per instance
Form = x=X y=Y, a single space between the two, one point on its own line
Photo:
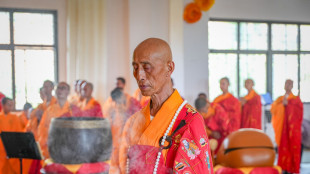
x=227 y=114
x=156 y=130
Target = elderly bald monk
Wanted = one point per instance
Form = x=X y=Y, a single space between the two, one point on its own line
x=61 y=108
x=10 y=122
x=287 y=115
x=168 y=135
x=251 y=115
x=230 y=104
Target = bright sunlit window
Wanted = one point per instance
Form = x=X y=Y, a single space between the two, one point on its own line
x=28 y=53
x=267 y=52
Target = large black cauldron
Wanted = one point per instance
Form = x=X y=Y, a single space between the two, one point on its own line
x=76 y=140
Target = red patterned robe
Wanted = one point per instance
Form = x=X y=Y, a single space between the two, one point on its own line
x=290 y=142
x=251 y=116
x=233 y=108
x=189 y=151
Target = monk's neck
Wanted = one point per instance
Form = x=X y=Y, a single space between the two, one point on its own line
x=62 y=102
x=288 y=92
x=48 y=98
x=225 y=92
x=88 y=99
x=157 y=100
x=249 y=90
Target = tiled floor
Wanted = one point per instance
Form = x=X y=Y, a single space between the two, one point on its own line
x=305 y=162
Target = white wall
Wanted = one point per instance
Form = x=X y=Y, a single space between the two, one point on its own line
x=61 y=7
x=279 y=10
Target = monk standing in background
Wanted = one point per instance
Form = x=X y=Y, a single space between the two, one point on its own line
x=25 y=115
x=60 y=108
x=75 y=97
x=36 y=114
x=90 y=107
x=287 y=115
x=10 y=122
x=230 y=104
x=251 y=116
x=118 y=113
x=216 y=119
x=168 y=134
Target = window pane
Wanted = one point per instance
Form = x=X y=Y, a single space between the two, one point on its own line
x=305 y=37
x=222 y=65
x=32 y=68
x=33 y=28
x=284 y=37
x=253 y=66
x=253 y=36
x=222 y=35
x=284 y=67
x=6 y=73
x=4 y=28
x=305 y=77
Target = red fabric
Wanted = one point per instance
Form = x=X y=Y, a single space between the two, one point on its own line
x=264 y=170
x=227 y=170
x=99 y=167
x=232 y=106
x=252 y=113
x=143 y=157
x=35 y=167
x=190 y=151
x=1 y=97
x=290 y=145
x=218 y=122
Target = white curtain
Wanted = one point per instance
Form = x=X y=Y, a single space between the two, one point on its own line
x=86 y=45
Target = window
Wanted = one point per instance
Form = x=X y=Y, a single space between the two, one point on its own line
x=267 y=52
x=28 y=53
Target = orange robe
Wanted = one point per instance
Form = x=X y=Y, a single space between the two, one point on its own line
x=251 y=116
x=217 y=120
x=118 y=115
x=24 y=120
x=11 y=123
x=233 y=108
x=287 y=122
x=140 y=131
x=91 y=109
x=33 y=122
x=53 y=111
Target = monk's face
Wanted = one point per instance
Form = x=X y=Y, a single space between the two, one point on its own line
x=224 y=85
x=86 y=91
x=152 y=67
x=120 y=84
x=62 y=91
x=48 y=88
x=288 y=85
x=9 y=106
x=248 y=84
x=42 y=94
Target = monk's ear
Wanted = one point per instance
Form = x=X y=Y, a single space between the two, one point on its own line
x=170 y=67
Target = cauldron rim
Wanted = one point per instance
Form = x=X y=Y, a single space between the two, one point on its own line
x=73 y=118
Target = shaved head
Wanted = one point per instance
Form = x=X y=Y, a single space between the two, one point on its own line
x=288 y=85
x=159 y=46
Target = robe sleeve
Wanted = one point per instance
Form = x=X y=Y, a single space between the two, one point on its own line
x=194 y=155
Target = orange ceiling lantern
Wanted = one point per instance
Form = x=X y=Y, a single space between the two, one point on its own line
x=205 y=5
x=192 y=13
